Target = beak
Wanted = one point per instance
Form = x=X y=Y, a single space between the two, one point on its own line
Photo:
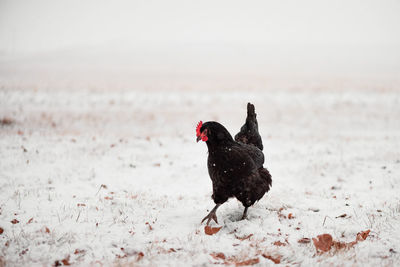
x=198 y=138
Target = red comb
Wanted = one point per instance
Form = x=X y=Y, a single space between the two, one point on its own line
x=198 y=128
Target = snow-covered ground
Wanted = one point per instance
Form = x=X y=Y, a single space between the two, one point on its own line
x=106 y=177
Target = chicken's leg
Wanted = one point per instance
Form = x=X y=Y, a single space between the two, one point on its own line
x=212 y=215
x=245 y=213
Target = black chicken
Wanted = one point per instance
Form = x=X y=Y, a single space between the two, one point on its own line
x=235 y=167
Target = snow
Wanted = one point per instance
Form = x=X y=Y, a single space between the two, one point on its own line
x=116 y=173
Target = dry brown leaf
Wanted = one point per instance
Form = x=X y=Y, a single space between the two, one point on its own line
x=62 y=262
x=171 y=250
x=150 y=227
x=30 y=220
x=362 y=235
x=81 y=205
x=47 y=230
x=248 y=262
x=290 y=216
x=304 y=240
x=342 y=245
x=1 y=230
x=275 y=259
x=66 y=261
x=77 y=251
x=341 y=216
x=279 y=243
x=6 y=121
x=323 y=242
x=140 y=256
x=211 y=230
x=218 y=256
x=15 y=221
x=244 y=237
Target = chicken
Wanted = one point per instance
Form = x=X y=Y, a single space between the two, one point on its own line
x=235 y=167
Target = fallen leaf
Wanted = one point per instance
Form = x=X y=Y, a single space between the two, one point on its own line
x=6 y=121
x=150 y=227
x=77 y=251
x=218 y=256
x=171 y=250
x=108 y=198
x=342 y=245
x=323 y=242
x=1 y=230
x=245 y=237
x=140 y=256
x=30 y=220
x=341 y=216
x=362 y=235
x=66 y=261
x=23 y=252
x=81 y=205
x=248 y=262
x=276 y=259
x=290 y=216
x=47 y=230
x=279 y=243
x=62 y=262
x=304 y=240
x=211 y=230
x=15 y=221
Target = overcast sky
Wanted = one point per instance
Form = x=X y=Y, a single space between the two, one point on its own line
x=177 y=35
x=42 y=25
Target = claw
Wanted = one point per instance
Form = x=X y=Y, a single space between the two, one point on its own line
x=212 y=215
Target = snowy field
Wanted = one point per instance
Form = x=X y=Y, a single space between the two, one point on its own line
x=115 y=177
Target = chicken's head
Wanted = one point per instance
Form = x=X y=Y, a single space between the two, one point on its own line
x=201 y=135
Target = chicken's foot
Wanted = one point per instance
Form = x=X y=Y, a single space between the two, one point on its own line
x=212 y=215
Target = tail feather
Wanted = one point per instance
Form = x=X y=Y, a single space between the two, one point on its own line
x=251 y=111
x=249 y=131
